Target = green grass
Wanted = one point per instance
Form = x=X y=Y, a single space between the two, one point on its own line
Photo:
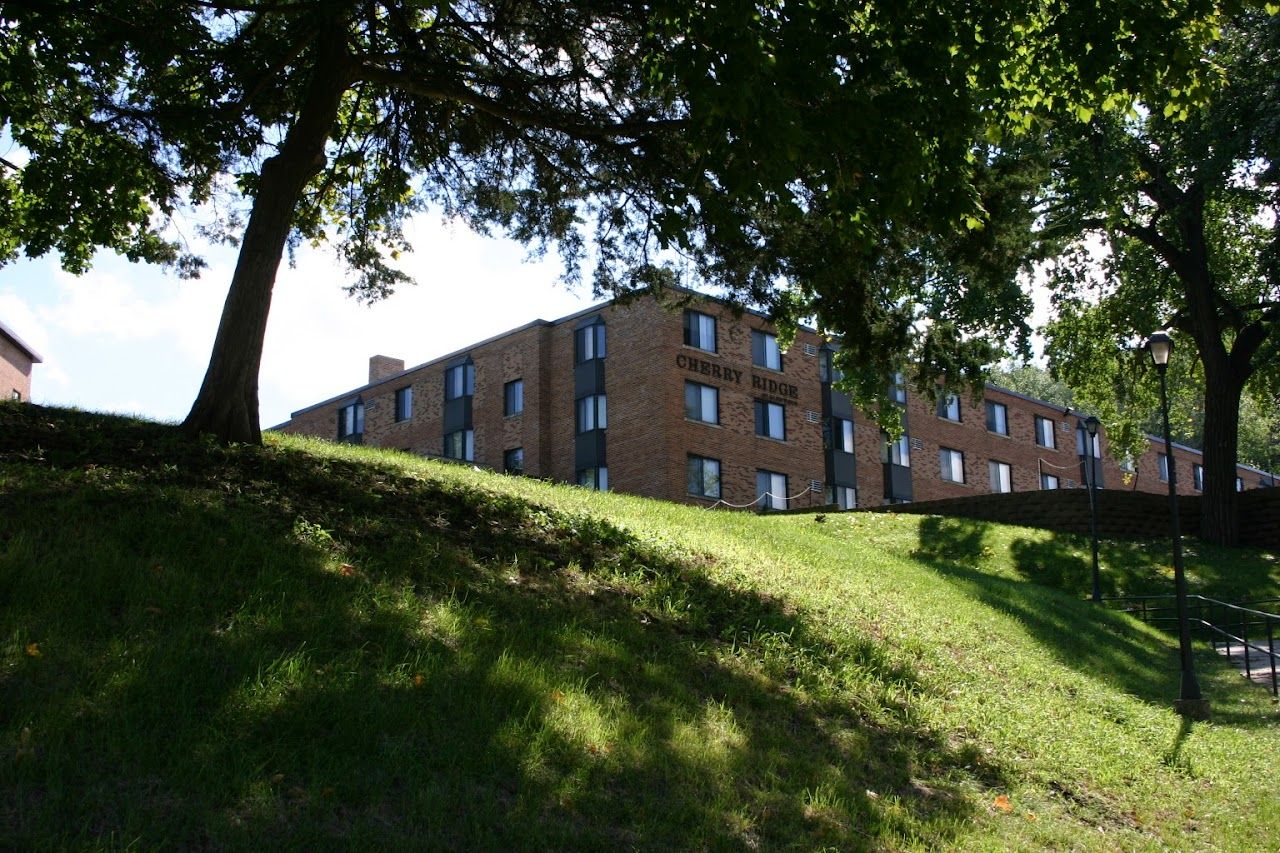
x=310 y=646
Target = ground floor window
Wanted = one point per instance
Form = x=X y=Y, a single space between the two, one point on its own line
x=703 y=477
x=845 y=497
x=460 y=444
x=513 y=461
x=594 y=478
x=1048 y=482
x=771 y=490
x=1001 y=476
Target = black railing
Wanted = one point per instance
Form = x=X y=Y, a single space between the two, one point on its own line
x=1214 y=621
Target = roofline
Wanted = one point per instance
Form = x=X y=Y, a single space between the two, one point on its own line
x=599 y=306
x=533 y=324
x=21 y=344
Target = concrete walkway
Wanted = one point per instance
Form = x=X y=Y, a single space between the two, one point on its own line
x=1259 y=662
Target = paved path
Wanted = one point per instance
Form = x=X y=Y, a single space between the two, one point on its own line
x=1259 y=662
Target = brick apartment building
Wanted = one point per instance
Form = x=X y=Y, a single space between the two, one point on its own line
x=16 y=359
x=699 y=405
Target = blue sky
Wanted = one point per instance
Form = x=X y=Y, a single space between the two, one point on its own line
x=130 y=338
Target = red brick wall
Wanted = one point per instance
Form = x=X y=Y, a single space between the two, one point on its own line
x=649 y=440
x=15 y=370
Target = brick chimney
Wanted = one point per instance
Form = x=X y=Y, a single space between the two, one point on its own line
x=382 y=366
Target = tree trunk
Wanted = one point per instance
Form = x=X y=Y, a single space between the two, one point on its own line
x=1219 y=514
x=227 y=405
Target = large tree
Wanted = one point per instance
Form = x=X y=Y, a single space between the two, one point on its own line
x=1186 y=202
x=827 y=144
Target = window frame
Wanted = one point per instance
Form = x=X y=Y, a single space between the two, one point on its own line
x=695 y=330
x=699 y=463
x=992 y=408
x=404 y=404
x=902 y=446
x=468 y=445
x=701 y=392
x=1042 y=421
x=842 y=429
x=764 y=419
x=768 y=345
x=592 y=409
x=599 y=478
x=512 y=408
x=589 y=342
x=465 y=382
x=353 y=414
x=947 y=457
x=994 y=465
x=768 y=503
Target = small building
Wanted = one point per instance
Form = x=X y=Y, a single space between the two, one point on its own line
x=16 y=359
x=700 y=405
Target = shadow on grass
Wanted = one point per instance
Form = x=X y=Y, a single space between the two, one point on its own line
x=237 y=647
x=1094 y=641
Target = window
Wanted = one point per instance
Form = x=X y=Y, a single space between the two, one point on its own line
x=842 y=435
x=513 y=461
x=827 y=370
x=1197 y=477
x=513 y=398
x=1048 y=482
x=997 y=418
x=351 y=420
x=700 y=330
x=898 y=389
x=16 y=396
x=897 y=452
x=1081 y=435
x=1239 y=484
x=771 y=490
x=460 y=444
x=1128 y=466
x=771 y=420
x=460 y=381
x=592 y=413
x=588 y=342
x=764 y=350
x=949 y=407
x=845 y=497
x=1001 y=476
x=594 y=478
x=1163 y=462
x=704 y=477
x=701 y=403
x=1044 y=433
x=404 y=404
x=952 y=463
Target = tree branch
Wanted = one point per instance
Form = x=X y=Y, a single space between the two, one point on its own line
x=535 y=116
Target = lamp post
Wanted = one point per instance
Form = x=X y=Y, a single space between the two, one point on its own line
x=1090 y=425
x=1189 y=704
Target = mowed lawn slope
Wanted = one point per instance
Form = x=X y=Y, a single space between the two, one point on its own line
x=313 y=646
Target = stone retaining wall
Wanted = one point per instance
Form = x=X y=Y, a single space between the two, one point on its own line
x=1121 y=514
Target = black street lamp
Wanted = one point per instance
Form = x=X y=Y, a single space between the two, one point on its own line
x=1090 y=425
x=1190 y=704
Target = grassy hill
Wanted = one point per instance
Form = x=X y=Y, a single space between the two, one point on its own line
x=309 y=646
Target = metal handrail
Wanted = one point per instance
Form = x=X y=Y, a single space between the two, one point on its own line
x=1243 y=617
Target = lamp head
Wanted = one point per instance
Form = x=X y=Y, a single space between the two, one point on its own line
x=1160 y=345
x=1091 y=425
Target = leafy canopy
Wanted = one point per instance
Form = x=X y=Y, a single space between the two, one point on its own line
x=849 y=162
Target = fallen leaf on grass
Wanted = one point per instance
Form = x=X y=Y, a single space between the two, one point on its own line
x=1002 y=803
x=33 y=650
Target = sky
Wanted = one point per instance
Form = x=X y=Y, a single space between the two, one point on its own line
x=133 y=339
